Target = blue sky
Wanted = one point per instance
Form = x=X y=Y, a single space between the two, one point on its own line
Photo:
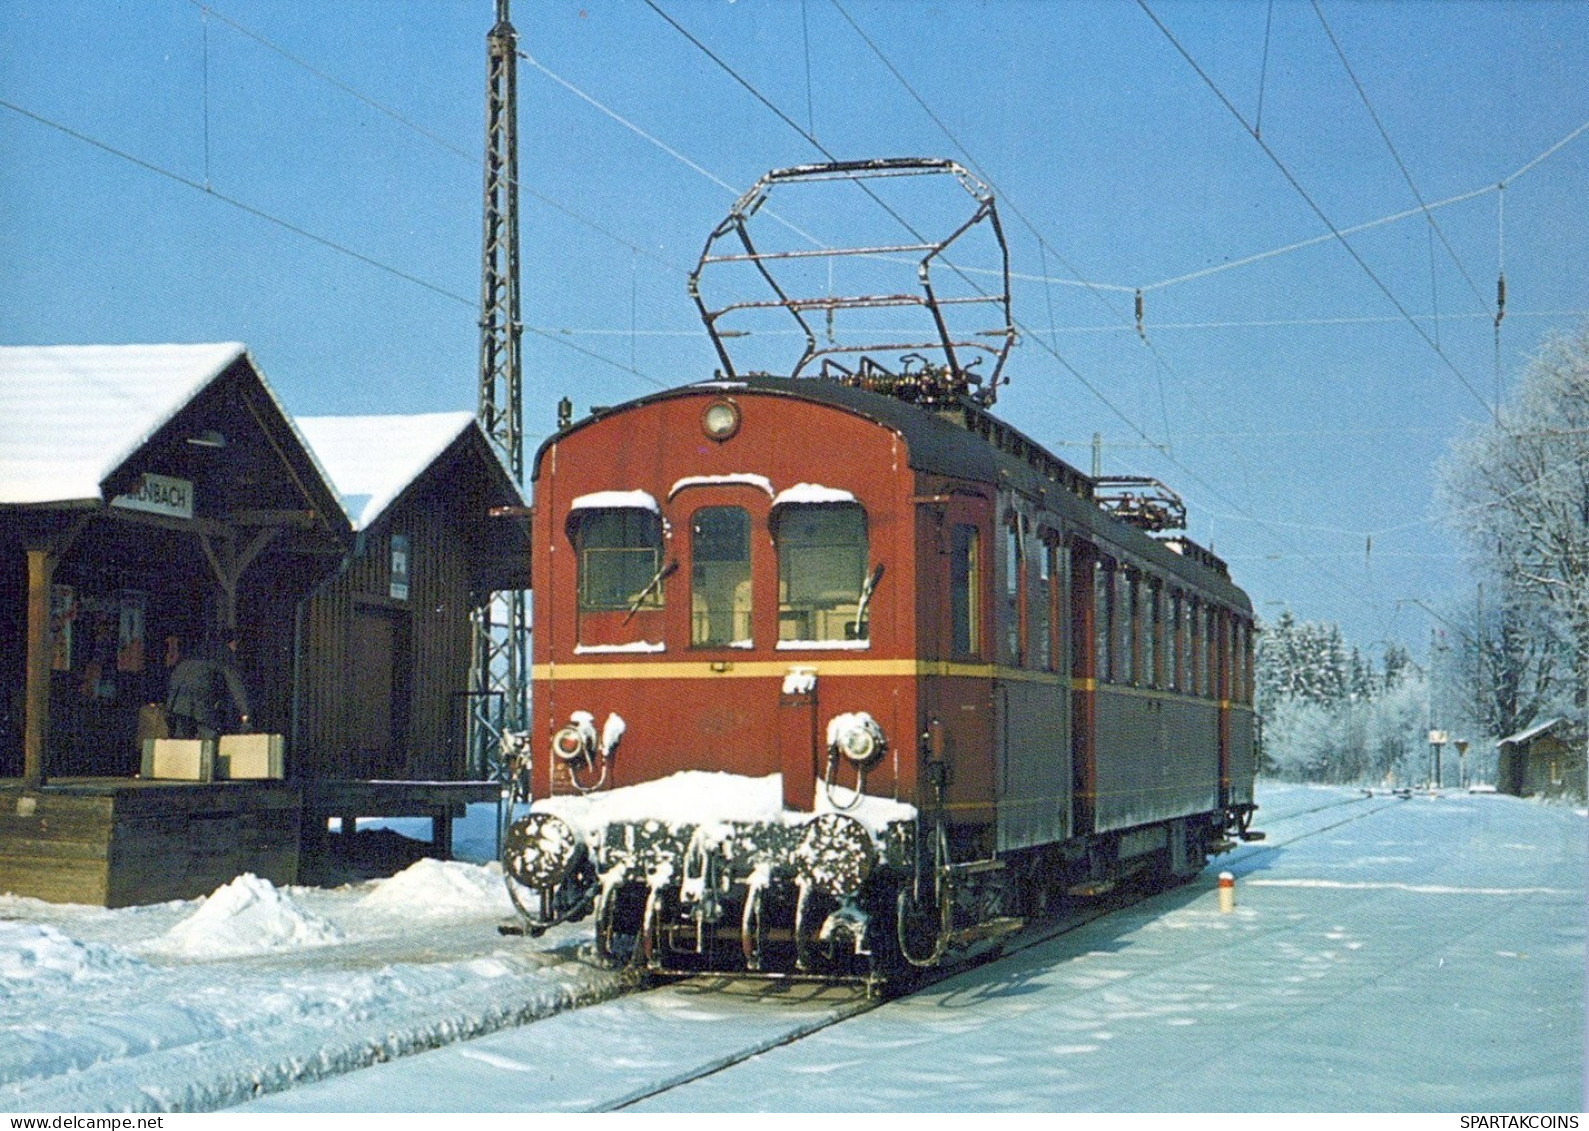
x=1298 y=402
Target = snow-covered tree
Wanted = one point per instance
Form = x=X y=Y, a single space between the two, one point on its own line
x=1329 y=716
x=1517 y=490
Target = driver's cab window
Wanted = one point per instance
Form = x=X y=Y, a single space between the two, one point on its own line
x=618 y=551
x=823 y=588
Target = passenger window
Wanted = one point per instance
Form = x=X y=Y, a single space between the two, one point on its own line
x=1125 y=626
x=1014 y=566
x=1176 y=646
x=720 y=589
x=1043 y=610
x=965 y=591
x=1152 y=635
x=1103 y=620
x=619 y=550
x=822 y=571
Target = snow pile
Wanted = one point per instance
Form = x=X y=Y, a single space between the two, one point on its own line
x=690 y=797
x=37 y=952
x=245 y=916
x=442 y=887
x=876 y=813
x=699 y=797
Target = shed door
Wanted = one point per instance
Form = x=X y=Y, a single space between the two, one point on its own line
x=378 y=694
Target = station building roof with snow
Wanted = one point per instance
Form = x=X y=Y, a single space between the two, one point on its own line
x=1544 y=760
x=154 y=496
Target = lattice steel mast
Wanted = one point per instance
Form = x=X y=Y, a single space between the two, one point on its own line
x=500 y=683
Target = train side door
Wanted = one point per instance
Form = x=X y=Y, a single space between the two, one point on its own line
x=1084 y=686
x=957 y=680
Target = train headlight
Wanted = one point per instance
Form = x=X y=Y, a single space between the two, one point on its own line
x=857 y=736
x=835 y=854
x=720 y=420
x=540 y=849
x=576 y=741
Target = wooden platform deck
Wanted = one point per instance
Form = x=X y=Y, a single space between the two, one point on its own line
x=119 y=841
x=116 y=842
x=349 y=800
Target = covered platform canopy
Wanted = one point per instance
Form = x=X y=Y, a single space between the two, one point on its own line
x=151 y=496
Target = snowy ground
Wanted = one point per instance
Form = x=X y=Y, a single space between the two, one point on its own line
x=1423 y=955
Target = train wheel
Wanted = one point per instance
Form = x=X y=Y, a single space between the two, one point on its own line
x=919 y=929
x=619 y=916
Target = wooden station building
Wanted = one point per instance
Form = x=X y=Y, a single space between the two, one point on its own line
x=1545 y=760
x=153 y=496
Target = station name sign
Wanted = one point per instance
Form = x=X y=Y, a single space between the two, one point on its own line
x=159 y=494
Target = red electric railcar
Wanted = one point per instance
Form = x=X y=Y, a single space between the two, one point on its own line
x=877 y=679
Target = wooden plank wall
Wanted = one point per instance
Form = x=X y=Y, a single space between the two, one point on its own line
x=55 y=847
x=439 y=641
x=120 y=844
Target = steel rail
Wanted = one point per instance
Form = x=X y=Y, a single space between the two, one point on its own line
x=1122 y=898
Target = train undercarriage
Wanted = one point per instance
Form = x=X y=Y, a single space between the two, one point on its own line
x=825 y=897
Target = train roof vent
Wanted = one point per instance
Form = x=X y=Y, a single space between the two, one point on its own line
x=1144 y=503
x=925 y=318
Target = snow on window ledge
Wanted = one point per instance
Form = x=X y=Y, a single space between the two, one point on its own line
x=736 y=479
x=824 y=645
x=812 y=493
x=608 y=500
x=609 y=649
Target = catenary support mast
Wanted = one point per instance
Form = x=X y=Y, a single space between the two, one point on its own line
x=500 y=679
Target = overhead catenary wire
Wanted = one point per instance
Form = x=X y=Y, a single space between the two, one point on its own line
x=1391 y=146
x=301 y=231
x=1097 y=289
x=1043 y=245
x=1307 y=197
x=445 y=143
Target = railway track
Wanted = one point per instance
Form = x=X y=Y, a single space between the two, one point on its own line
x=1353 y=809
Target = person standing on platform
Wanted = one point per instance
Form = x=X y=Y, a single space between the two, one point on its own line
x=206 y=696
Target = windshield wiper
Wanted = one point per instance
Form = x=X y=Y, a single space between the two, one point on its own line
x=866 y=597
x=656 y=579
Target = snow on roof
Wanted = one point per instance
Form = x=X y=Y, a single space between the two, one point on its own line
x=1534 y=731
x=371 y=460
x=71 y=415
x=812 y=493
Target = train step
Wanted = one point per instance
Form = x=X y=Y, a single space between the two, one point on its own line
x=1092 y=889
x=982 y=932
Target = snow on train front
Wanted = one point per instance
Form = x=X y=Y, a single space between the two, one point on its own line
x=708 y=871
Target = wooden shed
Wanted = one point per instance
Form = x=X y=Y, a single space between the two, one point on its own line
x=1546 y=760
x=148 y=494
x=385 y=645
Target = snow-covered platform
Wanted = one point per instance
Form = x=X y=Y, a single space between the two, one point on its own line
x=1384 y=954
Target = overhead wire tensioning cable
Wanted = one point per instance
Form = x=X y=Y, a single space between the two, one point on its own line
x=1307 y=198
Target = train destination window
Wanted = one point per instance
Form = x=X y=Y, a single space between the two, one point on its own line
x=720 y=589
x=965 y=591
x=619 y=550
x=822 y=572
